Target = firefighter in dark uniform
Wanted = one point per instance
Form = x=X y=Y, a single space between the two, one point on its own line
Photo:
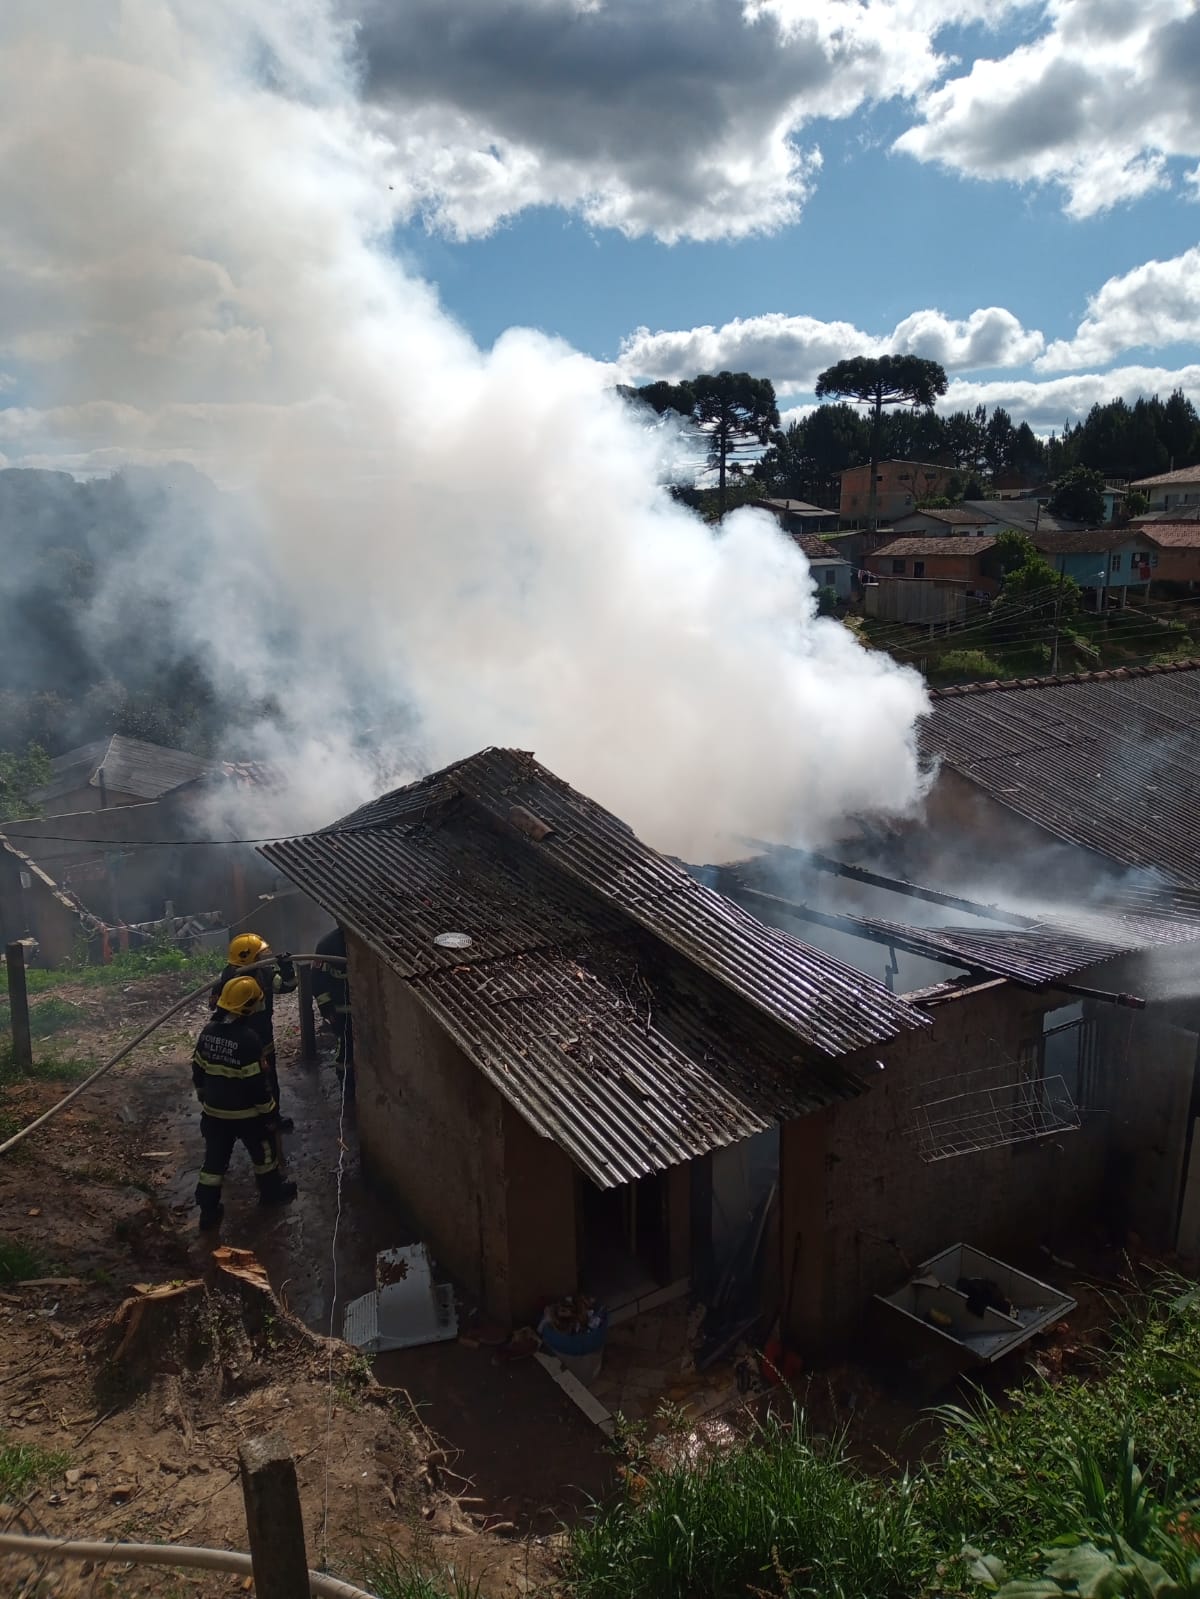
x=236 y=1101
x=331 y=991
x=248 y=949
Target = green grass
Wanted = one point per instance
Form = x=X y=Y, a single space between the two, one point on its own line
x=51 y=1069
x=391 y=1575
x=777 y=1515
x=126 y=966
x=22 y=1465
x=973 y=665
x=51 y=1016
x=19 y=1261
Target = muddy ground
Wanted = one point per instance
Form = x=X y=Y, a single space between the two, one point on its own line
x=103 y=1198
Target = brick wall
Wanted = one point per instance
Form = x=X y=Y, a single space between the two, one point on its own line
x=863 y=1202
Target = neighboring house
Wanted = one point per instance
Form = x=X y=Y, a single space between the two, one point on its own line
x=798 y=516
x=1167 y=491
x=1022 y=516
x=571 y=1049
x=115 y=771
x=963 y=559
x=828 y=568
x=124 y=865
x=1114 y=500
x=1176 y=547
x=1107 y=565
x=1180 y=514
x=899 y=485
x=917 y=601
x=944 y=522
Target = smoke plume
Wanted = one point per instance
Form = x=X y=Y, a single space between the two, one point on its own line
x=435 y=545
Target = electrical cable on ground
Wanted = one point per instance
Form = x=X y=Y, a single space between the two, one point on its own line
x=205 y=987
x=321 y=1585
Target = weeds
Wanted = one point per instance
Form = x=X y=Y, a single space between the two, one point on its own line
x=776 y=1515
x=392 y=1575
x=19 y=1261
x=22 y=1465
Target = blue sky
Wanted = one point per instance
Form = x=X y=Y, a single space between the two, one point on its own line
x=1009 y=187
x=1031 y=185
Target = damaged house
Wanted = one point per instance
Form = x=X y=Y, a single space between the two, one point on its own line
x=583 y=1067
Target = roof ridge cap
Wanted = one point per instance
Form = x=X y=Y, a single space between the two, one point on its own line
x=1061 y=679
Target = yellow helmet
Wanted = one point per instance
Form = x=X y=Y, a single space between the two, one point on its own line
x=240 y=996
x=245 y=949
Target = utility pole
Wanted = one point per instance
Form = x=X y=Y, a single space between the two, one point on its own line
x=1058 y=599
x=18 y=1007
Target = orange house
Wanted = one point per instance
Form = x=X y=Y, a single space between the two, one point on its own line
x=1178 y=548
x=960 y=559
x=898 y=487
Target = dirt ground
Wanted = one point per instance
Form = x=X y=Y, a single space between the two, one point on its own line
x=103 y=1196
x=450 y=1453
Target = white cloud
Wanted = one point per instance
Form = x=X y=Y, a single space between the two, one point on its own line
x=792 y=350
x=1156 y=304
x=1098 y=104
x=680 y=119
x=1046 y=405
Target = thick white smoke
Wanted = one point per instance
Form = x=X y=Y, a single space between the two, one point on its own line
x=194 y=225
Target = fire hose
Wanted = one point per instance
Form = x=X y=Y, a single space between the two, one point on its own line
x=40 y=1121
x=157 y=1554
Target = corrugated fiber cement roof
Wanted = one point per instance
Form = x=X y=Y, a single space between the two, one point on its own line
x=1109 y=761
x=628 y=1012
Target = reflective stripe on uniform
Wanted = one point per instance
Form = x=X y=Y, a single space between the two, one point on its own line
x=212 y=1069
x=268 y=1165
x=238 y=1115
x=210 y=1179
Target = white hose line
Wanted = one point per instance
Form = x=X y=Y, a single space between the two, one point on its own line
x=11 y=1143
x=159 y=1554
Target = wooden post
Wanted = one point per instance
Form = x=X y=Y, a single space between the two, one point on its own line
x=273 y=1518
x=18 y=1007
x=308 y=1026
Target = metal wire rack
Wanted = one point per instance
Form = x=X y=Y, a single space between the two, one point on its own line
x=1009 y=1103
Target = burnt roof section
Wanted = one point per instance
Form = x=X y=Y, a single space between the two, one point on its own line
x=128 y=766
x=627 y=1011
x=1108 y=761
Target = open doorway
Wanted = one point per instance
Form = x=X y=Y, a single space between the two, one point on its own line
x=623 y=1238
